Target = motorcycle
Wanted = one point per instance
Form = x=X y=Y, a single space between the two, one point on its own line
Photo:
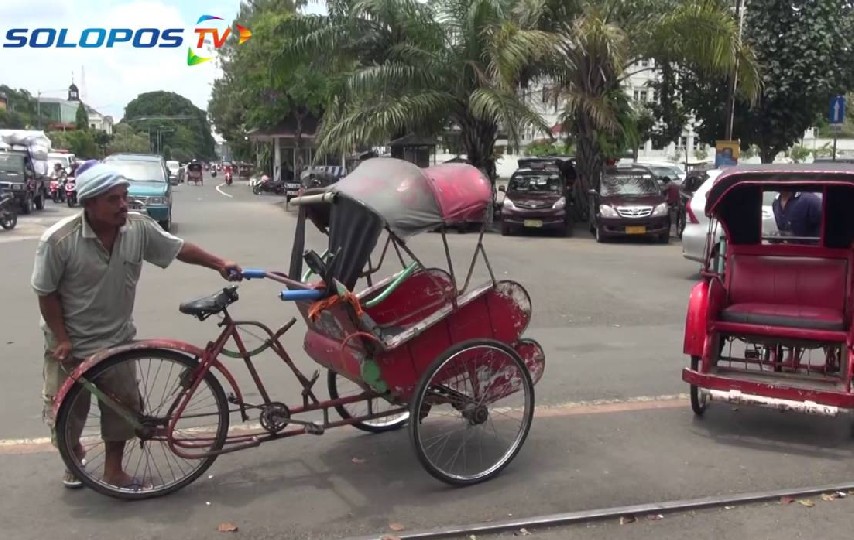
x=228 y=178
x=71 y=193
x=213 y=173
x=57 y=189
x=8 y=211
x=269 y=185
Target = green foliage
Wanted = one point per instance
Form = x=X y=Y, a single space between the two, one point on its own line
x=701 y=153
x=260 y=86
x=126 y=139
x=21 y=109
x=183 y=127
x=81 y=118
x=546 y=147
x=805 y=49
x=419 y=67
x=799 y=153
x=78 y=142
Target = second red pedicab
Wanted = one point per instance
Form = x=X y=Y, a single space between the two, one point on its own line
x=770 y=324
x=419 y=349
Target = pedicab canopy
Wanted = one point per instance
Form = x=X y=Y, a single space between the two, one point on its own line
x=411 y=200
x=736 y=198
x=389 y=192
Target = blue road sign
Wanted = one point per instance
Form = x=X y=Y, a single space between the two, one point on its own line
x=837 y=109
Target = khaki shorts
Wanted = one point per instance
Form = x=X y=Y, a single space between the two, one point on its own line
x=119 y=382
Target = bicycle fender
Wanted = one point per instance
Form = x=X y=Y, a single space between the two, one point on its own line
x=174 y=345
x=695 y=320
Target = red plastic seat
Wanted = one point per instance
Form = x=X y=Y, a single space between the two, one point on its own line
x=786 y=292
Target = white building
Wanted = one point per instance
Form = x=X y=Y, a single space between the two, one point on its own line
x=638 y=87
x=99 y=121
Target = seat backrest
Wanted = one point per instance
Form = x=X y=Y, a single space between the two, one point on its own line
x=804 y=281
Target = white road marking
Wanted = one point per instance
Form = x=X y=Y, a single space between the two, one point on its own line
x=221 y=192
x=575 y=408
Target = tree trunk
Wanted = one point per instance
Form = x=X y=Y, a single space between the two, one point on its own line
x=589 y=163
x=767 y=155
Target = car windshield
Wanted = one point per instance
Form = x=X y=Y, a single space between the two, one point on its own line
x=629 y=184
x=668 y=172
x=140 y=171
x=545 y=182
x=11 y=162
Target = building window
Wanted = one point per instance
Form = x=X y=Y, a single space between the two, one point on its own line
x=636 y=95
x=644 y=96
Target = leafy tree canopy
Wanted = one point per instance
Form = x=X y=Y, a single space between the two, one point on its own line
x=183 y=127
x=806 y=52
x=81 y=118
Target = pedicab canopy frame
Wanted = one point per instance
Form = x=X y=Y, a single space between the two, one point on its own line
x=735 y=200
x=398 y=197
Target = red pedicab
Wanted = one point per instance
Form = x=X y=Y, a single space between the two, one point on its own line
x=771 y=322
x=195 y=174
x=412 y=344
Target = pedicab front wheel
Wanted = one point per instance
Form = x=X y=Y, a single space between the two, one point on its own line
x=158 y=378
x=465 y=397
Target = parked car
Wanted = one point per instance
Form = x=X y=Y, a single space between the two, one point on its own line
x=536 y=198
x=666 y=172
x=695 y=235
x=630 y=202
x=173 y=167
x=20 y=179
x=149 y=184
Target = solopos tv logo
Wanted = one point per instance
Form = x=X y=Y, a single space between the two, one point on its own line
x=217 y=40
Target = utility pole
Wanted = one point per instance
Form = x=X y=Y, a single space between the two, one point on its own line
x=733 y=80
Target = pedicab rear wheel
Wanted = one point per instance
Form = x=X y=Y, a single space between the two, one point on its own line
x=182 y=367
x=699 y=402
x=448 y=382
x=379 y=425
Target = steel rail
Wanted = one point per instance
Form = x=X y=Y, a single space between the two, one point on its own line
x=587 y=516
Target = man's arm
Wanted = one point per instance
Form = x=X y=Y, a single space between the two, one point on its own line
x=161 y=248
x=193 y=254
x=47 y=273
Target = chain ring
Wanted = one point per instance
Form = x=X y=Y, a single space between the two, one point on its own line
x=275 y=417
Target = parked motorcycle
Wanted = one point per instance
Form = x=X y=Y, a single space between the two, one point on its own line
x=8 y=211
x=266 y=184
x=71 y=192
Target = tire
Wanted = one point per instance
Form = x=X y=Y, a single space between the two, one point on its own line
x=698 y=402
x=39 y=202
x=256 y=189
x=71 y=461
x=418 y=407
x=600 y=239
x=9 y=222
x=506 y=230
x=27 y=207
x=664 y=238
x=380 y=425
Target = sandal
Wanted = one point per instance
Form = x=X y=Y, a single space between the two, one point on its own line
x=70 y=481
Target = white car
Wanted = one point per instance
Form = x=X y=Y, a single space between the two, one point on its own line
x=697 y=223
x=665 y=169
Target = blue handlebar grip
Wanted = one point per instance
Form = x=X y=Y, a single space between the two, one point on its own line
x=254 y=273
x=296 y=295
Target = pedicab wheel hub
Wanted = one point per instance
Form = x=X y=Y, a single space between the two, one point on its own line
x=475 y=414
x=275 y=417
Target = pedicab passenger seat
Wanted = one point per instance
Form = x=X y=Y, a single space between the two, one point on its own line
x=785 y=292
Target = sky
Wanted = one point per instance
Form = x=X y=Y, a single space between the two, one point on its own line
x=109 y=78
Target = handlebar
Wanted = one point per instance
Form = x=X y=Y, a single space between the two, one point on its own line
x=299 y=291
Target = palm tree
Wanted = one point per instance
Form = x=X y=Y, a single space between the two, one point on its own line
x=423 y=66
x=602 y=39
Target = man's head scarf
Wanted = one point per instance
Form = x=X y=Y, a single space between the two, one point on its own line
x=96 y=179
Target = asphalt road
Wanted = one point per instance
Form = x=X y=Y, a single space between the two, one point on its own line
x=613 y=428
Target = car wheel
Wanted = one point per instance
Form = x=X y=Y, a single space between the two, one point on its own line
x=600 y=238
x=39 y=202
x=664 y=238
x=506 y=230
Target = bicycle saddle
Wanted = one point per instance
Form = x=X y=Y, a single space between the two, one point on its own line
x=209 y=305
